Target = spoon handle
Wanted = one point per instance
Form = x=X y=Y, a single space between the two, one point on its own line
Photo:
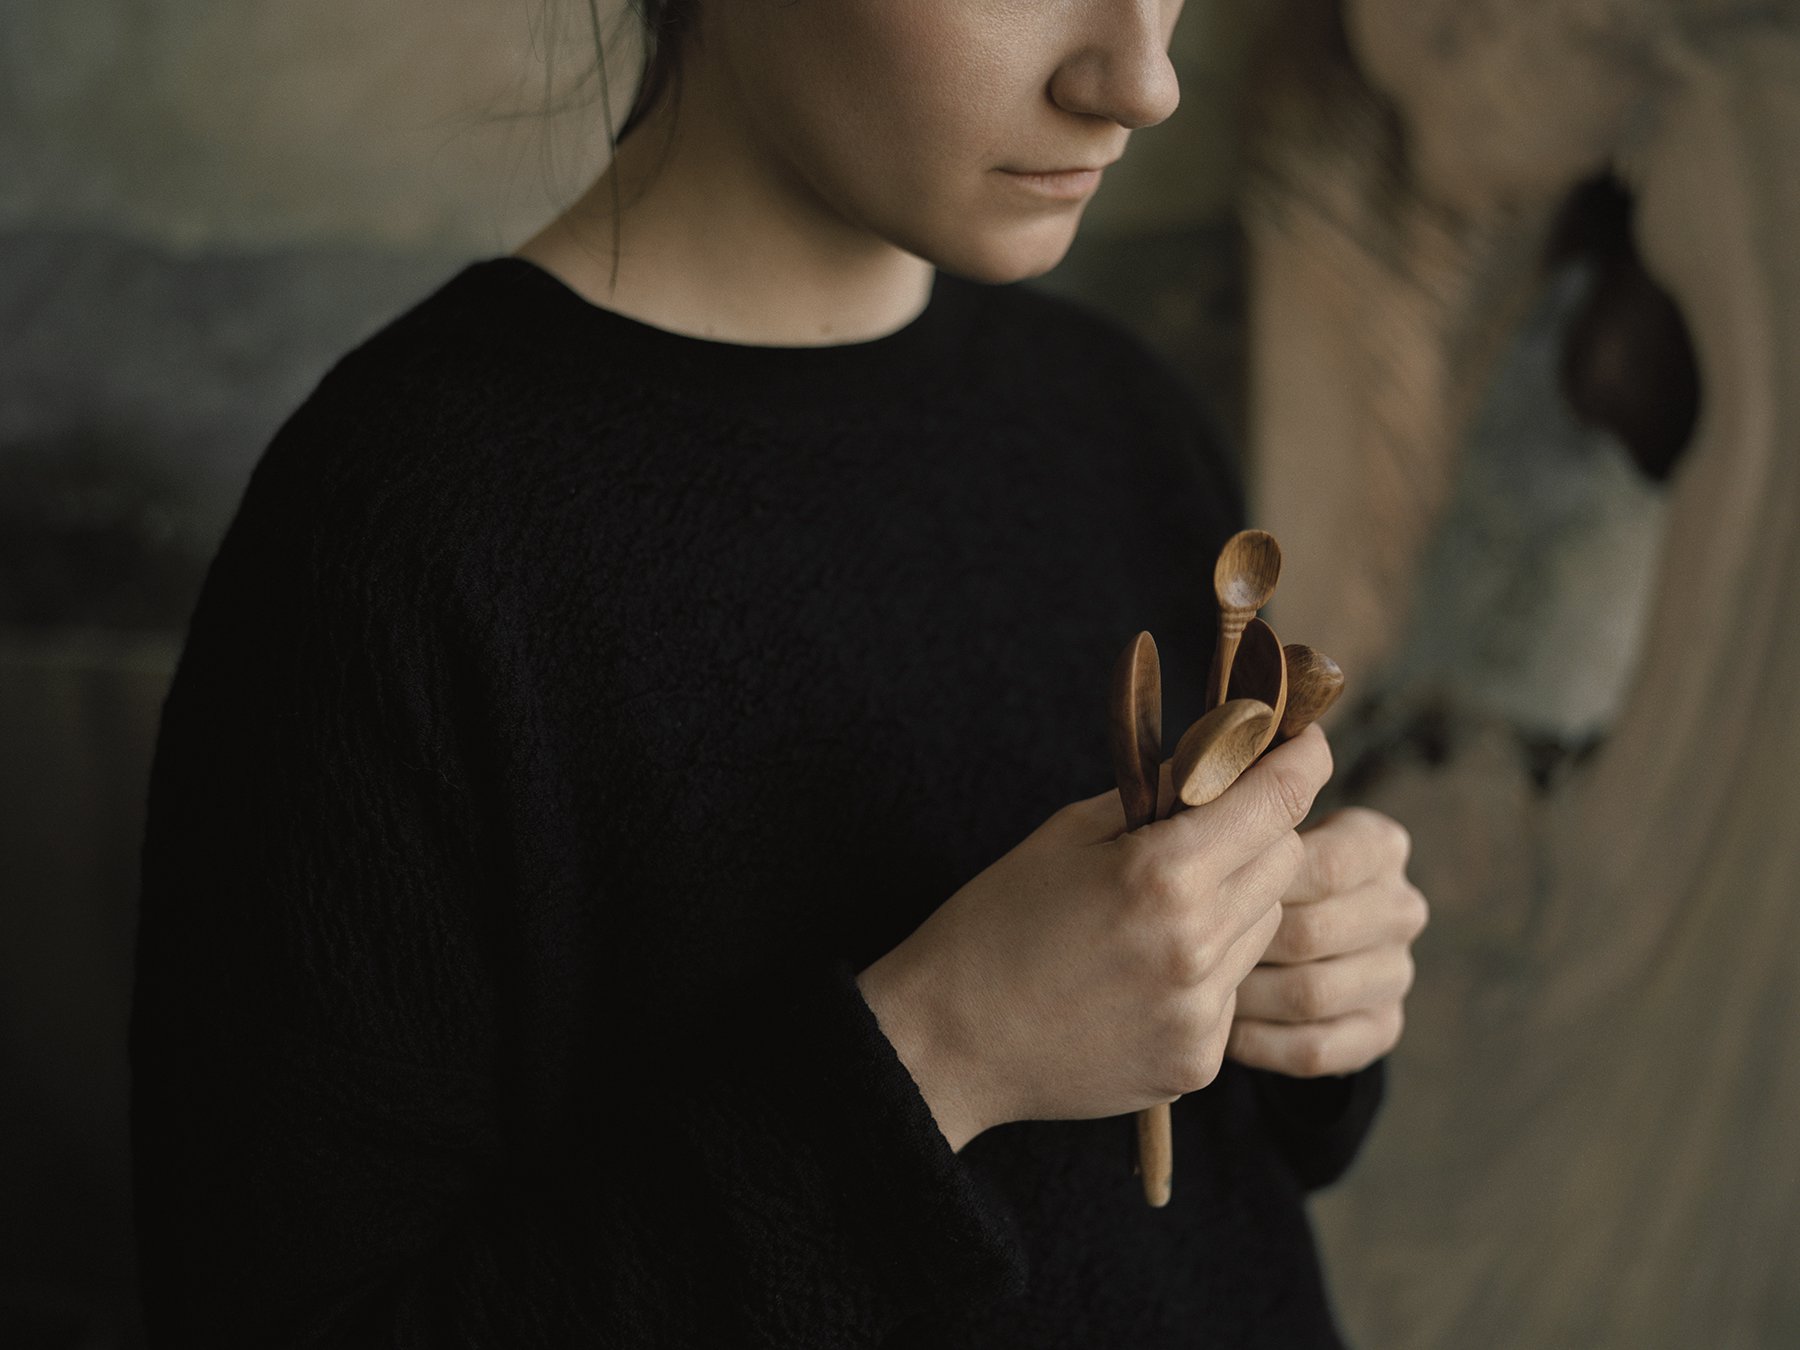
x=1219 y=761
x=1134 y=728
x=1134 y=732
x=1232 y=626
x=1156 y=1153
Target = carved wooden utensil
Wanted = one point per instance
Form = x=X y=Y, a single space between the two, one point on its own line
x=1134 y=728
x=1222 y=744
x=1314 y=683
x=1244 y=578
x=1217 y=748
x=1212 y=753
x=1261 y=672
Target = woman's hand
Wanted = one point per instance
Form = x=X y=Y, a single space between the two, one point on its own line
x=1328 y=995
x=1090 y=972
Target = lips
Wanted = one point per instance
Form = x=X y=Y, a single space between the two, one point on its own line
x=1077 y=168
x=1065 y=185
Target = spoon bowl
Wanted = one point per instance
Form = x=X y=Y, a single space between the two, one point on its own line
x=1220 y=746
x=1260 y=672
x=1314 y=683
x=1244 y=579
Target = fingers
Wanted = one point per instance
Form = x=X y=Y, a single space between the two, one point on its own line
x=1391 y=911
x=1340 y=1046
x=1269 y=799
x=1241 y=958
x=1092 y=820
x=1220 y=943
x=1322 y=990
x=1250 y=898
x=1348 y=848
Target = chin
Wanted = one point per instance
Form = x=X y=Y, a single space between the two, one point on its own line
x=1003 y=256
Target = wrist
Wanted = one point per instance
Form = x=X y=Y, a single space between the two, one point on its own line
x=905 y=1005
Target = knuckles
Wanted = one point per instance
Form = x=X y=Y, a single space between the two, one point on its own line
x=1293 y=847
x=1418 y=911
x=1409 y=972
x=1201 y=1068
x=1293 y=794
x=1198 y=1044
x=1206 y=1072
x=1305 y=994
x=1399 y=840
x=1306 y=932
x=1188 y=961
x=1179 y=948
x=1369 y=835
x=1149 y=878
x=1312 y=1054
x=1330 y=866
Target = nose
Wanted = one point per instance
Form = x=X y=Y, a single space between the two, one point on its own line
x=1122 y=71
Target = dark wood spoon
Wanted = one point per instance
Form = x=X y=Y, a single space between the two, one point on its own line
x=1134 y=728
x=1261 y=672
x=1314 y=683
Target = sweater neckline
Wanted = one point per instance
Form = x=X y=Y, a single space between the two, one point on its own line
x=924 y=333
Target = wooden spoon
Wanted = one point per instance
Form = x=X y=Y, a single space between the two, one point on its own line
x=1314 y=683
x=1261 y=672
x=1210 y=756
x=1134 y=727
x=1243 y=580
x=1217 y=748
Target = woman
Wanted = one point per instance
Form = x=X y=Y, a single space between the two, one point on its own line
x=623 y=863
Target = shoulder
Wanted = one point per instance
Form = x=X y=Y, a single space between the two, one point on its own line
x=423 y=448
x=401 y=422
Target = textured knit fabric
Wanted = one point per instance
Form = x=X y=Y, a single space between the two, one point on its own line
x=571 y=710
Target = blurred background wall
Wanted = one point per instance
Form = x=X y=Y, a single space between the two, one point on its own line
x=201 y=207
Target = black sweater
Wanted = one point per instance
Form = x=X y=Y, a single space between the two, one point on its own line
x=571 y=710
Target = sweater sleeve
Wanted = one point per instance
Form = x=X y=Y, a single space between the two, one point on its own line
x=321 y=1051
x=1319 y=1124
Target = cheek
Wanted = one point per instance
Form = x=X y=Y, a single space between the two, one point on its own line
x=918 y=99
x=897 y=112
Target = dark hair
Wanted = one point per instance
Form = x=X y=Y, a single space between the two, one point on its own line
x=664 y=24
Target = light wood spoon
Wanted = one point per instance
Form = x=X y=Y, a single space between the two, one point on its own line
x=1314 y=683
x=1134 y=727
x=1244 y=579
x=1217 y=748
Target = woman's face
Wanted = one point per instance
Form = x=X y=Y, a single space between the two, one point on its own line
x=920 y=121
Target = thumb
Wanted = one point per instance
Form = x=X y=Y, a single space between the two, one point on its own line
x=1268 y=799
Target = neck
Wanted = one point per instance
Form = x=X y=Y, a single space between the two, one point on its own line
x=714 y=241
